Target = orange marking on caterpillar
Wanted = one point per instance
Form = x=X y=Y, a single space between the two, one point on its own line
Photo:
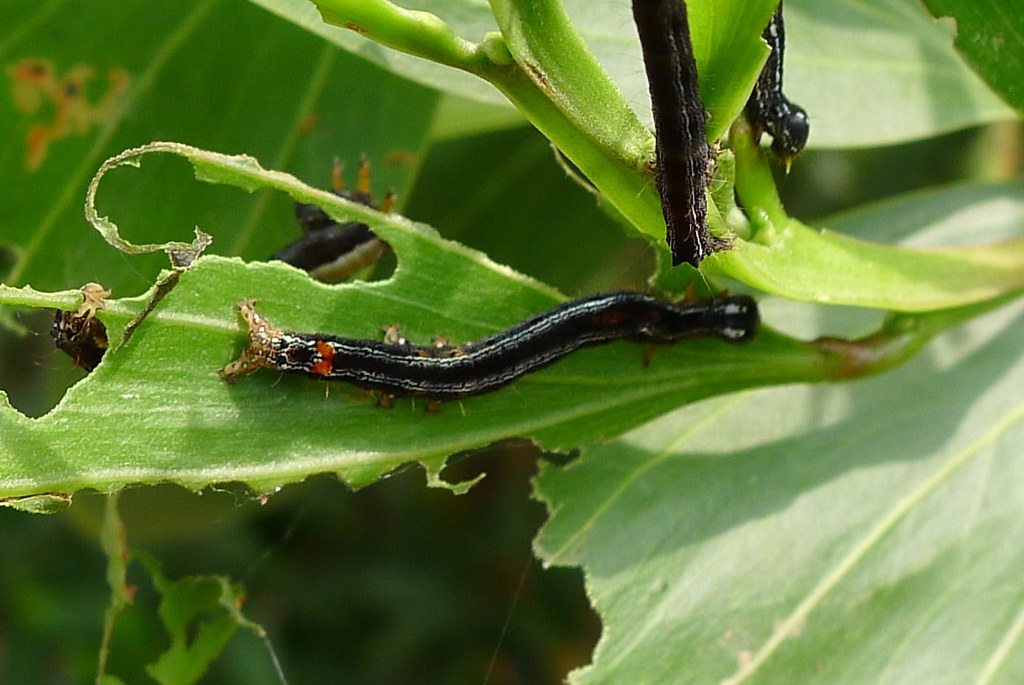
x=326 y=363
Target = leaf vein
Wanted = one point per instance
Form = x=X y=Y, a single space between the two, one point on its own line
x=791 y=625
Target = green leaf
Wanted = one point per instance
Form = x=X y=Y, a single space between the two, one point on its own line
x=853 y=533
x=200 y=613
x=564 y=92
x=194 y=332
x=788 y=258
x=549 y=75
x=843 y=534
x=887 y=55
x=729 y=52
x=828 y=267
x=469 y=20
x=166 y=373
x=990 y=35
x=267 y=88
x=878 y=72
x=140 y=415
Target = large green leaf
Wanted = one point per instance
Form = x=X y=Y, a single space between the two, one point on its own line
x=886 y=56
x=990 y=35
x=191 y=334
x=880 y=72
x=869 y=72
x=853 y=533
x=470 y=20
x=223 y=75
x=842 y=534
x=788 y=258
x=176 y=402
x=143 y=413
x=542 y=65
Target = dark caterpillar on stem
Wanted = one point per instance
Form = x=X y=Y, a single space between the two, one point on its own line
x=679 y=117
x=768 y=109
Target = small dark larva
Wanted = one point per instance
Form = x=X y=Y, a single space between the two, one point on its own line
x=442 y=372
x=330 y=251
x=79 y=334
x=768 y=108
x=680 y=139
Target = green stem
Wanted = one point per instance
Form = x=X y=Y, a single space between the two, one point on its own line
x=418 y=33
x=26 y=296
x=755 y=184
x=545 y=69
x=548 y=48
x=899 y=338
